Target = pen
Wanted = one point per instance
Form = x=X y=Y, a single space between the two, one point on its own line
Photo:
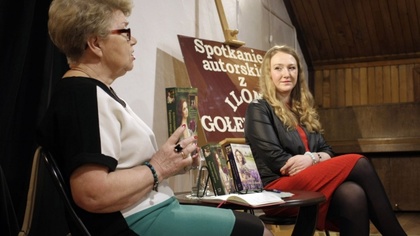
x=275 y=190
x=220 y=204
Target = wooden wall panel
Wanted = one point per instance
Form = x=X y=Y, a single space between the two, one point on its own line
x=374 y=109
x=402 y=187
x=398 y=120
x=326 y=86
x=394 y=84
x=379 y=92
x=319 y=78
x=410 y=82
x=387 y=83
x=416 y=84
x=363 y=86
x=405 y=182
x=371 y=85
x=348 y=87
x=355 y=90
x=333 y=86
x=402 y=78
x=356 y=85
x=341 y=102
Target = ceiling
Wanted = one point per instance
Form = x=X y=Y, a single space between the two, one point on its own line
x=351 y=31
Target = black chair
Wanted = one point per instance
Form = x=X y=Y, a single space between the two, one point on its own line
x=8 y=221
x=76 y=225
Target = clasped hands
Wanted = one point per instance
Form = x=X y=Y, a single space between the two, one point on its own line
x=176 y=157
x=296 y=164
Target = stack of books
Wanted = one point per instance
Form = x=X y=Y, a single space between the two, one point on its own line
x=232 y=167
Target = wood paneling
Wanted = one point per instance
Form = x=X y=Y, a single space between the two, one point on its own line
x=332 y=31
x=416 y=84
x=401 y=184
x=389 y=135
x=368 y=85
x=391 y=123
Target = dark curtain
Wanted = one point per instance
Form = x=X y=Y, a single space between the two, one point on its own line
x=29 y=65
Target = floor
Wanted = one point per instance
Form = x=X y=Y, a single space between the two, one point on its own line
x=410 y=221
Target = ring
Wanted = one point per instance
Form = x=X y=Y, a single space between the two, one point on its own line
x=186 y=169
x=183 y=155
x=178 y=148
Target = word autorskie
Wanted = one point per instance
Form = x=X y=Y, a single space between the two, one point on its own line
x=220 y=58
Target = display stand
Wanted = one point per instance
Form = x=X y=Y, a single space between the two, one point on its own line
x=201 y=178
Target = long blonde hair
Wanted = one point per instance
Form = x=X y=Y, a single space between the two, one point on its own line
x=301 y=110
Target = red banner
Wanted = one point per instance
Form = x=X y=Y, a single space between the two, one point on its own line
x=227 y=81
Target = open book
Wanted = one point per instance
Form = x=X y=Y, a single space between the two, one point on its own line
x=258 y=199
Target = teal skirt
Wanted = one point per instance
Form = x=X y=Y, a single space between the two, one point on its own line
x=172 y=218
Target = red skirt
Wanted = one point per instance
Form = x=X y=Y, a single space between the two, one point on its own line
x=324 y=177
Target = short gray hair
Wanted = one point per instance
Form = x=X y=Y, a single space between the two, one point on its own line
x=72 y=22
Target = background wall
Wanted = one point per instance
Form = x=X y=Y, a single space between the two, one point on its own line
x=159 y=61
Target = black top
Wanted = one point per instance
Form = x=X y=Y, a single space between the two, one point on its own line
x=272 y=144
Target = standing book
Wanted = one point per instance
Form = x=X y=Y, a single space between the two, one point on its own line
x=181 y=106
x=218 y=168
x=244 y=170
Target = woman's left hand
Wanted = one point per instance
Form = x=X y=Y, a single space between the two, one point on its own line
x=195 y=161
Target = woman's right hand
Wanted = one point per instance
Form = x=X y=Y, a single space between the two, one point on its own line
x=296 y=164
x=167 y=162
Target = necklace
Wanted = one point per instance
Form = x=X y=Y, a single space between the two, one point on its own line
x=113 y=94
x=89 y=75
x=80 y=70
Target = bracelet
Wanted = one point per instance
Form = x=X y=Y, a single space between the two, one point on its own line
x=155 y=177
x=314 y=161
x=319 y=155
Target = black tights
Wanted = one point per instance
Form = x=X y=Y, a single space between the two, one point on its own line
x=360 y=198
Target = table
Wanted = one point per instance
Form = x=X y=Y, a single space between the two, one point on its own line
x=307 y=201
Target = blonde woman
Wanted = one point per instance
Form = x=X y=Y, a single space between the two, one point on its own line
x=286 y=139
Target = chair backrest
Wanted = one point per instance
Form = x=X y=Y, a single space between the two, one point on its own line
x=64 y=192
x=31 y=197
x=8 y=222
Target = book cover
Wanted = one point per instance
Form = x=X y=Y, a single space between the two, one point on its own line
x=244 y=170
x=181 y=104
x=218 y=169
x=257 y=199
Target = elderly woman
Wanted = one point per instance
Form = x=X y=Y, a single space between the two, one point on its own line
x=108 y=155
x=284 y=133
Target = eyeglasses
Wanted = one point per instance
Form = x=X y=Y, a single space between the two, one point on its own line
x=123 y=31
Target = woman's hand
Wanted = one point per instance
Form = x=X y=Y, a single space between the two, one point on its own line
x=296 y=164
x=96 y=189
x=169 y=162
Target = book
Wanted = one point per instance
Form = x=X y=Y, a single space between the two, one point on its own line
x=220 y=174
x=181 y=106
x=257 y=199
x=244 y=170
